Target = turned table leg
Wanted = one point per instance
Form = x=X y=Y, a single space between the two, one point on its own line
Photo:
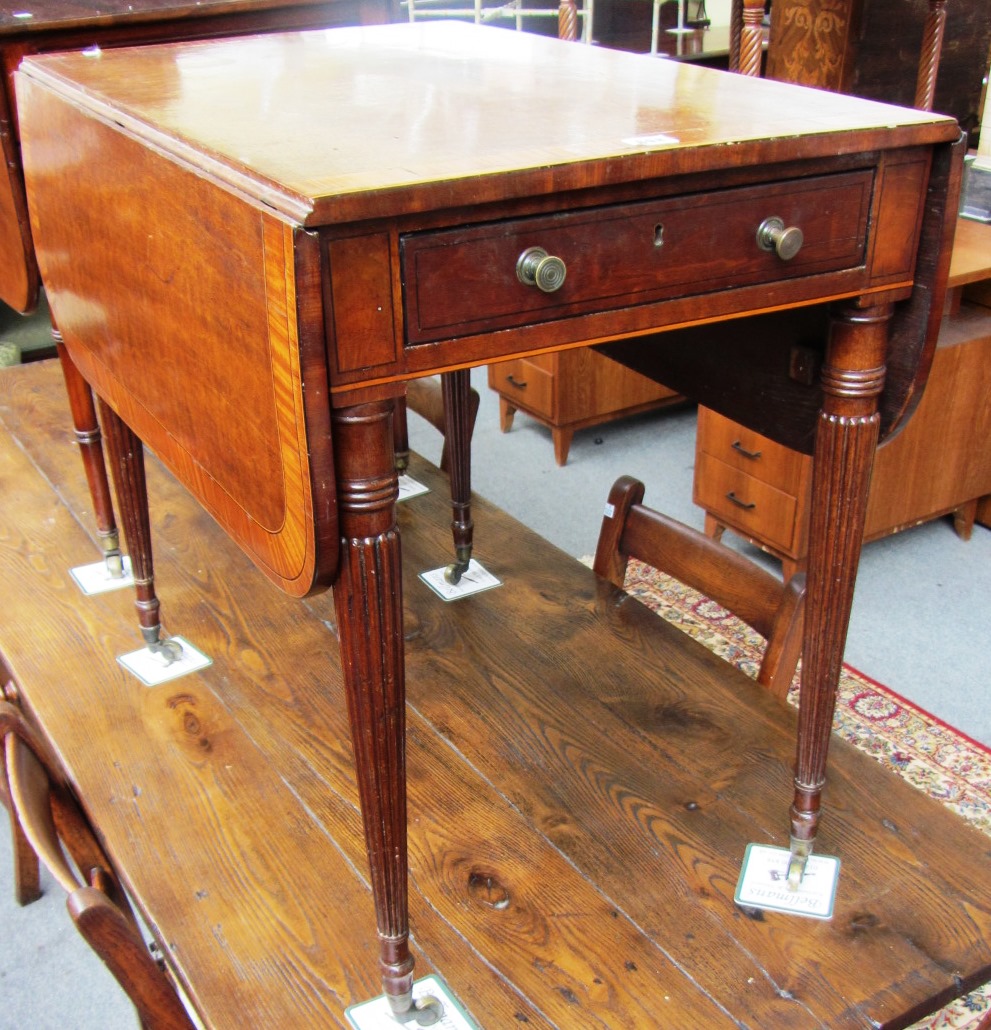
x=127 y=461
x=369 y=605
x=87 y=428
x=846 y=438
x=458 y=419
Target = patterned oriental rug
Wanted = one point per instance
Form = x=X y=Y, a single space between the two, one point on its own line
x=932 y=756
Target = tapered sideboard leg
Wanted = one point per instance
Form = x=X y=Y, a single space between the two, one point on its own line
x=369 y=604
x=846 y=438
x=126 y=454
x=83 y=412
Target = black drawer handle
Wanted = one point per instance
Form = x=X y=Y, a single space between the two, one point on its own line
x=516 y=382
x=746 y=505
x=740 y=449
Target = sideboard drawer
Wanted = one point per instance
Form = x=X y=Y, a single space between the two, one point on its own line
x=750 y=505
x=526 y=383
x=463 y=281
x=750 y=452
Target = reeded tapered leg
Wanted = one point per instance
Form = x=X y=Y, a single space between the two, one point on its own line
x=458 y=421
x=88 y=437
x=369 y=604
x=846 y=438
x=126 y=454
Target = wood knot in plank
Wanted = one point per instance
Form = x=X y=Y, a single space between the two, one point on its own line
x=861 y=922
x=192 y=724
x=486 y=889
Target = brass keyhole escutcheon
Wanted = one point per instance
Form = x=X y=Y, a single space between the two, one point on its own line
x=535 y=267
x=785 y=242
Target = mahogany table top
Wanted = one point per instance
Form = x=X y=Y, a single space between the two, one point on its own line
x=453 y=113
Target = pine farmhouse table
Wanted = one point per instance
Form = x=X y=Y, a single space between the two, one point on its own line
x=251 y=245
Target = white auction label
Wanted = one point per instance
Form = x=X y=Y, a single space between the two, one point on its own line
x=97 y=578
x=764 y=883
x=153 y=668
x=410 y=487
x=437 y=1008
x=473 y=580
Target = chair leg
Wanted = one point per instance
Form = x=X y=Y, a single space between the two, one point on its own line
x=117 y=941
x=27 y=869
x=27 y=874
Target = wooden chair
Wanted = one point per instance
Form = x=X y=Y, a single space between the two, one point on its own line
x=774 y=609
x=49 y=818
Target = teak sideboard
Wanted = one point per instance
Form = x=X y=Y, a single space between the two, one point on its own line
x=247 y=274
x=571 y=390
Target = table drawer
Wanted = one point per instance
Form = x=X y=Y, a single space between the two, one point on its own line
x=747 y=504
x=525 y=382
x=463 y=281
x=751 y=453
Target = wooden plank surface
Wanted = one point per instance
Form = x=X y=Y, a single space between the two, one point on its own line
x=583 y=782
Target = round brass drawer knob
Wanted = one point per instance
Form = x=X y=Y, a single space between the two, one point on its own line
x=535 y=267
x=785 y=242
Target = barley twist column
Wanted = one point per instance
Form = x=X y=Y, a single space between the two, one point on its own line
x=567 y=20
x=932 y=48
x=751 y=38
